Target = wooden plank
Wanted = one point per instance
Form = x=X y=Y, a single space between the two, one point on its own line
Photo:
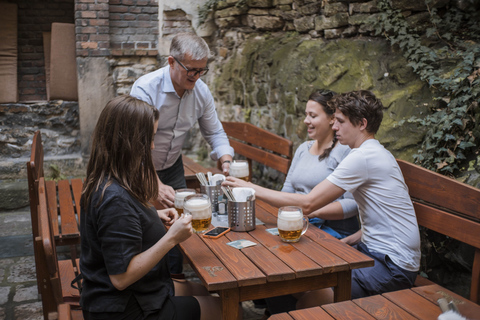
x=382 y=308
x=449 y=224
x=415 y=304
x=77 y=186
x=475 y=288
x=236 y=262
x=69 y=226
x=253 y=134
x=355 y=258
x=302 y=265
x=441 y=190
x=51 y=190
x=211 y=271
x=67 y=274
x=309 y=314
x=346 y=310
x=434 y=292
x=269 y=159
x=280 y=316
x=267 y=262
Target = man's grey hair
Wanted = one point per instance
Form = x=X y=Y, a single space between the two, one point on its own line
x=191 y=44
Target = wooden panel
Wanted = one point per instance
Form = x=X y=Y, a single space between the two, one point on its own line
x=441 y=190
x=271 y=266
x=214 y=275
x=346 y=310
x=301 y=264
x=475 y=288
x=252 y=134
x=355 y=258
x=280 y=316
x=269 y=159
x=432 y=293
x=310 y=314
x=382 y=308
x=69 y=226
x=415 y=304
x=447 y=223
x=67 y=274
x=53 y=206
x=240 y=266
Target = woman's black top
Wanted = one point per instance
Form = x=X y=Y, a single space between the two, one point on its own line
x=113 y=232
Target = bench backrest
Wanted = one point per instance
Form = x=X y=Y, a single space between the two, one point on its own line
x=46 y=259
x=449 y=207
x=259 y=145
x=34 y=172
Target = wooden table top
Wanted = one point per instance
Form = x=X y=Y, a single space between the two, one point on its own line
x=221 y=266
x=416 y=303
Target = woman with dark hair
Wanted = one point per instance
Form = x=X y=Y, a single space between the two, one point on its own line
x=314 y=160
x=124 y=239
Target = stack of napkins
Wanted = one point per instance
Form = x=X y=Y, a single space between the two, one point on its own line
x=242 y=194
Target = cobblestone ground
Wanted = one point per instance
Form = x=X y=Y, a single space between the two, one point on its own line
x=19 y=298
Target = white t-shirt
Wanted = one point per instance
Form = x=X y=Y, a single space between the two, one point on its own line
x=389 y=224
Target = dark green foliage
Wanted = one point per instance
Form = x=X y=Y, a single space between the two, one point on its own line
x=447 y=56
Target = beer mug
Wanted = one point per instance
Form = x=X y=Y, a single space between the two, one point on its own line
x=199 y=206
x=239 y=169
x=291 y=223
x=180 y=195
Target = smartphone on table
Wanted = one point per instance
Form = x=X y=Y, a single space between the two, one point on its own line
x=216 y=232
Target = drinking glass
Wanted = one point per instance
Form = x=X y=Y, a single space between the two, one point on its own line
x=239 y=169
x=199 y=206
x=291 y=223
x=180 y=195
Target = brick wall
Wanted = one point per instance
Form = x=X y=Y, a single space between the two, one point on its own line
x=116 y=27
x=35 y=17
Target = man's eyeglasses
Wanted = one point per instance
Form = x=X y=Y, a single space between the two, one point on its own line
x=192 y=72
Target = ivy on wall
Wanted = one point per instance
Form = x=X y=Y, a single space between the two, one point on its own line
x=446 y=55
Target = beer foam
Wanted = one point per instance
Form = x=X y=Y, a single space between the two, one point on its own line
x=239 y=169
x=290 y=220
x=199 y=208
x=180 y=197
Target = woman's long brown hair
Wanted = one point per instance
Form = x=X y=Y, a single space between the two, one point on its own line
x=322 y=96
x=121 y=150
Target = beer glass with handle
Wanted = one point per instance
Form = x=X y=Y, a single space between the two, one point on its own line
x=199 y=206
x=291 y=223
x=239 y=169
x=180 y=195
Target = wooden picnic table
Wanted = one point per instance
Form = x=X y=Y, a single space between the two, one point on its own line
x=272 y=267
x=418 y=303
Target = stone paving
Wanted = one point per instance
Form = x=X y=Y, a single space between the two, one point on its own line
x=19 y=298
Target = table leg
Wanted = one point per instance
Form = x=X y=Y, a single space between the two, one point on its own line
x=230 y=303
x=343 y=290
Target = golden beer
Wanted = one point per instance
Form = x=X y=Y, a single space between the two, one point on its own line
x=247 y=178
x=199 y=206
x=201 y=225
x=180 y=195
x=290 y=236
x=291 y=223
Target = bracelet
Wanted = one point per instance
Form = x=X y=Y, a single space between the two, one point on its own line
x=226 y=161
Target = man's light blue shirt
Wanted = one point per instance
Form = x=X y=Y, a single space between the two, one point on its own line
x=178 y=116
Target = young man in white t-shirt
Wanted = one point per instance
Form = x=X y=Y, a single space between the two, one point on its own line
x=389 y=232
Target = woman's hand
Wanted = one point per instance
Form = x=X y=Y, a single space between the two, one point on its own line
x=168 y=216
x=181 y=229
x=235 y=183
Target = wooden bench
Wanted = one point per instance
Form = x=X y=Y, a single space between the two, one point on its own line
x=65 y=312
x=259 y=145
x=417 y=303
x=449 y=207
x=55 y=276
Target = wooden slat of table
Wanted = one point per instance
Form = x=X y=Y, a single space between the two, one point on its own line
x=355 y=258
x=236 y=262
x=69 y=226
x=467 y=308
x=416 y=305
x=271 y=266
x=300 y=263
x=214 y=275
x=346 y=310
x=382 y=308
x=77 y=186
x=310 y=314
x=281 y=316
